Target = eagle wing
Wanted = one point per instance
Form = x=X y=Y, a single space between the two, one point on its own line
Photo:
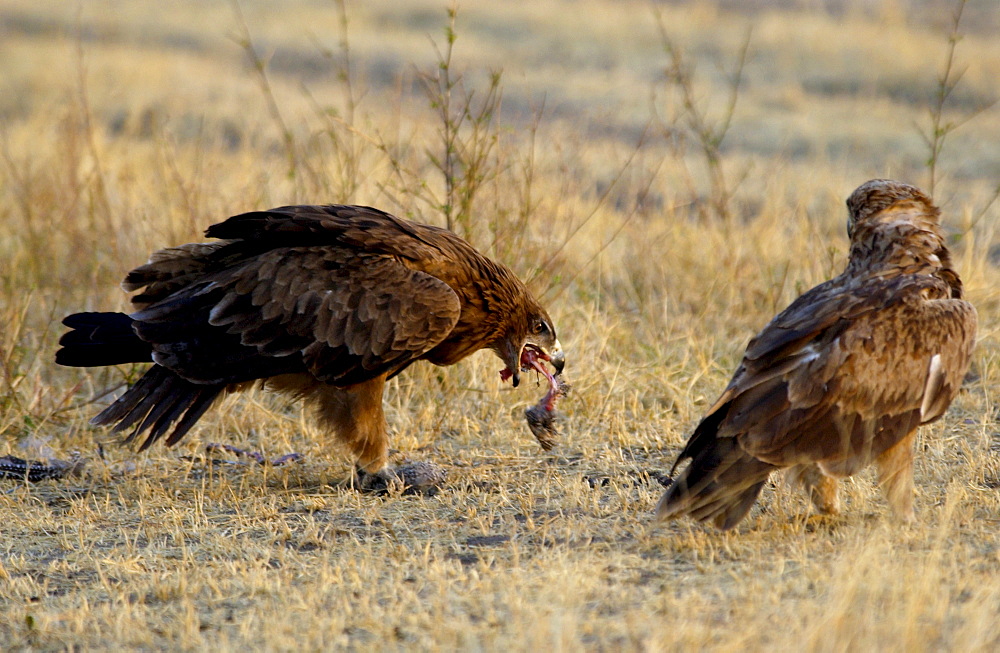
x=844 y=372
x=291 y=290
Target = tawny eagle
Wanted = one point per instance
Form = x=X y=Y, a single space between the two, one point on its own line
x=321 y=302
x=844 y=376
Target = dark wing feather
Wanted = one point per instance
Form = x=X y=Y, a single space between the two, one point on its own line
x=343 y=316
x=360 y=228
x=848 y=376
x=172 y=269
x=357 y=316
x=350 y=228
x=159 y=399
x=811 y=313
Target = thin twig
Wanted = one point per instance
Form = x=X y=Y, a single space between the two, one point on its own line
x=260 y=68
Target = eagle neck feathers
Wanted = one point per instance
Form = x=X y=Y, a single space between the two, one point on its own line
x=906 y=238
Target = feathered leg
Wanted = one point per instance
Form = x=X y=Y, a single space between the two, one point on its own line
x=822 y=489
x=895 y=477
x=355 y=415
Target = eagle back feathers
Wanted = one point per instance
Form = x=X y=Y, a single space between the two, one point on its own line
x=356 y=291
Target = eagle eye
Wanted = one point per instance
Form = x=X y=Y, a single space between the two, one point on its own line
x=540 y=327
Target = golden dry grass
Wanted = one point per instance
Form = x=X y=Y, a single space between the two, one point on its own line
x=127 y=127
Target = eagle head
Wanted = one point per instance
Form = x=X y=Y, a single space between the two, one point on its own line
x=526 y=343
x=877 y=195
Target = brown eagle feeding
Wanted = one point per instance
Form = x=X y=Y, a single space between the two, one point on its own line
x=321 y=302
x=844 y=376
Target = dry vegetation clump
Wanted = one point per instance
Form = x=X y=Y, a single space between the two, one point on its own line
x=124 y=131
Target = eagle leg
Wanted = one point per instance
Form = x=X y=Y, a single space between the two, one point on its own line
x=822 y=489
x=355 y=416
x=895 y=477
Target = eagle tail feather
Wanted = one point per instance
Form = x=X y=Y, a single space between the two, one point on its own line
x=721 y=484
x=99 y=339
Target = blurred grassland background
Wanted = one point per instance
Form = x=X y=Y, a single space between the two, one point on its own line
x=666 y=175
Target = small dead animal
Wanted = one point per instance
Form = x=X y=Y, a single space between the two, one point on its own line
x=542 y=416
x=418 y=477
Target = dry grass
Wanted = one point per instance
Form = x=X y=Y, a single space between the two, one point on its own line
x=122 y=131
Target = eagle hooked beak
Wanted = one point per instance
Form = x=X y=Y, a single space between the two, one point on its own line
x=557 y=358
x=531 y=358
